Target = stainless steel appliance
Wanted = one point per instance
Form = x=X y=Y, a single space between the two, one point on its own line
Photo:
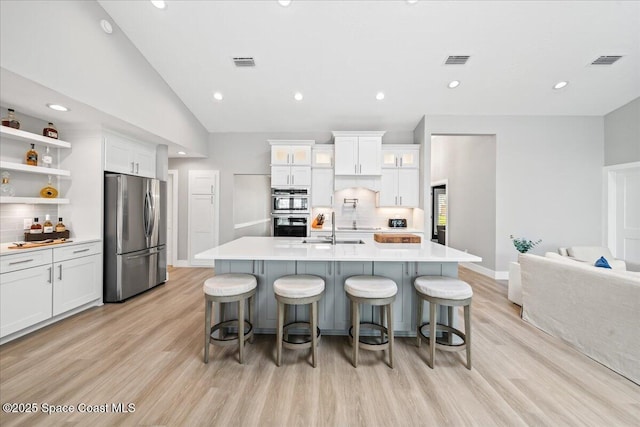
x=289 y=200
x=397 y=223
x=135 y=258
x=290 y=225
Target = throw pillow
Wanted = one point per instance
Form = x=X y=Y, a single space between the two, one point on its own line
x=602 y=262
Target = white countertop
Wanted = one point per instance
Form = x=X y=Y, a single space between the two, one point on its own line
x=327 y=230
x=4 y=247
x=292 y=248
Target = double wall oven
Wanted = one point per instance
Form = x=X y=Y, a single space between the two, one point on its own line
x=290 y=211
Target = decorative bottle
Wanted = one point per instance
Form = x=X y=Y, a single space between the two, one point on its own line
x=6 y=189
x=47 y=227
x=49 y=191
x=36 y=228
x=50 y=131
x=10 y=120
x=32 y=156
x=47 y=158
x=60 y=227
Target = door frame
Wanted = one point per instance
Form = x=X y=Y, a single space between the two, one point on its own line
x=609 y=205
x=439 y=183
x=174 y=216
x=216 y=213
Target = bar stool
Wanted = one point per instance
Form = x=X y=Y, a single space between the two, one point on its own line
x=451 y=292
x=299 y=289
x=377 y=291
x=227 y=288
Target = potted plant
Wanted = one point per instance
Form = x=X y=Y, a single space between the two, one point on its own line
x=515 y=286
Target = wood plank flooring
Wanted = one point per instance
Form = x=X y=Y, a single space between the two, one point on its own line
x=148 y=352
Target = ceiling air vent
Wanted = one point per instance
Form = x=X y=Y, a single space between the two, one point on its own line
x=244 y=62
x=606 y=60
x=456 y=60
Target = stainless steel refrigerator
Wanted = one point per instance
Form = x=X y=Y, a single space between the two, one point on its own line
x=135 y=254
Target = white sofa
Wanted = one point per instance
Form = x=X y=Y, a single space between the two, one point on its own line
x=596 y=310
x=590 y=254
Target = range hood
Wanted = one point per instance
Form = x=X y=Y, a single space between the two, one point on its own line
x=342 y=182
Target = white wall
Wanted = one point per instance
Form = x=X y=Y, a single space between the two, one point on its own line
x=39 y=40
x=469 y=165
x=548 y=177
x=622 y=134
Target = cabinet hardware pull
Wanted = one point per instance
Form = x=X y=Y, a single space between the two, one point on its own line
x=81 y=250
x=137 y=167
x=211 y=188
x=132 y=164
x=361 y=168
x=400 y=200
x=50 y=275
x=60 y=276
x=396 y=202
x=21 y=262
x=355 y=168
x=293 y=178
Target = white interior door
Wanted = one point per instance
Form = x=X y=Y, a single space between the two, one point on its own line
x=203 y=213
x=628 y=215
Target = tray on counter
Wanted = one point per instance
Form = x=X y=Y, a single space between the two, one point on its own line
x=396 y=238
x=28 y=237
x=29 y=245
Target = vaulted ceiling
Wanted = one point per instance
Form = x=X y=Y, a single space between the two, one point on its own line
x=340 y=54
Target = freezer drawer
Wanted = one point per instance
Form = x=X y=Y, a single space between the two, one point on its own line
x=134 y=273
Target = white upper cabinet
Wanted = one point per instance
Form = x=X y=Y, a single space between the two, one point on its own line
x=400 y=156
x=291 y=152
x=358 y=153
x=124 y=155
x=321 y=187
x=322 y=156
x=399 y=188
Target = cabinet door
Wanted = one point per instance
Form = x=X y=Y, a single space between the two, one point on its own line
x=144 y=159
x=76 y=282
x=409 y=158
x=267 y=301
x=280 y=176
x=321 y=187
x=202 y=182
x=201 y=226
x=388 y=195
x=343 y=270
x=402 y=274
x=118 y=156
x=301 y=176
x=322 y=156
x=280 y=155
x=369 y=155
x=326 y=308
x=408 y=188
x=25 y=298
x=300 y=155
x=346 y=155
x=389 y=158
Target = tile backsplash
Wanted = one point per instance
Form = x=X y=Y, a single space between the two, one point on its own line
x=12 y=218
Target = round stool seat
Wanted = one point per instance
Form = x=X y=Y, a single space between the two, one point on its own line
x=229 y=284
x=443 y=287
x=298 y=286
x=370 y=287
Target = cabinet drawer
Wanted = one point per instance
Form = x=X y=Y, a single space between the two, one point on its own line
x=20 y=261
x=76 y=251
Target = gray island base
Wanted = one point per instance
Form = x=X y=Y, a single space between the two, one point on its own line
x=269 y=258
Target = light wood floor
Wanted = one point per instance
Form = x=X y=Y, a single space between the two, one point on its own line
x=148 y=351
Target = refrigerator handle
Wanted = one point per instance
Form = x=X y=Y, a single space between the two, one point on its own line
x=147 y=214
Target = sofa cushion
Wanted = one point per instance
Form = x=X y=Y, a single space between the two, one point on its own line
x=591 y=254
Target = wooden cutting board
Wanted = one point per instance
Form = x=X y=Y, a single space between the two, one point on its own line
x=28 y=245
x=396 y=238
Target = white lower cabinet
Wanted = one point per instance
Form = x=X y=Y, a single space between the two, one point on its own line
x=39 y=285
x=76 y=282
x=25 y=298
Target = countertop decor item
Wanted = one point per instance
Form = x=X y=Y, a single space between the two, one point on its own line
x=524 y=245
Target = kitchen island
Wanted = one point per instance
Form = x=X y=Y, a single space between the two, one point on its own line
x=268 y=258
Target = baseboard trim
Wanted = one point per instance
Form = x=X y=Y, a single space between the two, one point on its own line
x=496 y=275
x=181 y=263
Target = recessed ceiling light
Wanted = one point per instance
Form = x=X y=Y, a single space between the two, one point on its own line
x=560 y=85
x=454 y=84
x=160 y=4
x=217 y=96
x=106 y=26
x=284 y=3
x=298 y=96
x=412 y=1
x=380 y=96
x=182 y=153
x=57 y=107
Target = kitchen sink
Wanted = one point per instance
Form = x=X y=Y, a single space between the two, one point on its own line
x=359 y=228
x=338 y=241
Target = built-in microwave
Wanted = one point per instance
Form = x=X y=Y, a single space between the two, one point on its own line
x=290 y=201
